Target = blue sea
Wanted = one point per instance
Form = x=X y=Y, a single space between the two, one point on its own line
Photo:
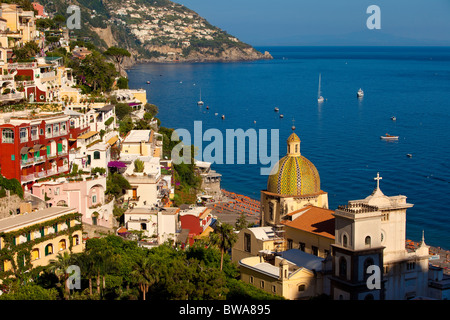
x=341 y=136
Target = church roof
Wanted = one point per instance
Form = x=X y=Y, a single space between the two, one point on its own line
x=296 y=175
x=293 y=138
x=312 y=219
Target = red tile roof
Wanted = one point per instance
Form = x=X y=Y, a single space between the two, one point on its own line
x=313 y=219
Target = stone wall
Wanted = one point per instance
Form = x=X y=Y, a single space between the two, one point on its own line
x=11 y=204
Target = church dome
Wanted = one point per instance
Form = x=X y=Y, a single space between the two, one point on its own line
x=294 y=174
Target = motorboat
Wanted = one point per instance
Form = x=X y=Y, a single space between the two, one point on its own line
x=360 y=93
x=393 y=118
x=319 y=94
x=389 y=137
x=276 y=109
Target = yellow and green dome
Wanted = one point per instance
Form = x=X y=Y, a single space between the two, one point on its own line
x=295 y=175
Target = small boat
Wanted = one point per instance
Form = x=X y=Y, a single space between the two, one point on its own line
x=409 y=155
x=393 y=118
x=389 y=137
x=360 y=93
x=319 y=96
x=223 y=117
x=200 y=102
x=216 y=114
x=148 y=82
x=276 y=109
x=207 y=107
x=281 y=116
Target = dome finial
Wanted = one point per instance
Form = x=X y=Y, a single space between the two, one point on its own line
x=293 y=126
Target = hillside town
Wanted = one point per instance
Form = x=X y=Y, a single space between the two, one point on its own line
x=89 y=171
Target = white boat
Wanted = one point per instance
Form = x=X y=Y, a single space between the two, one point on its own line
x=393 y=118
x=389 y=137
x=360 y=93
x=319 y=96
x=276 y=109
x=200 y=102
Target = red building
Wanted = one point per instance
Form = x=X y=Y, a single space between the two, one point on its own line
x=34 y=147
x=196 y=220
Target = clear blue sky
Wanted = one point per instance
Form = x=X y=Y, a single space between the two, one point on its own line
x=328 y=22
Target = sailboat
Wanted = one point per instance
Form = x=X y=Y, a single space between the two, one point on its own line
x=319 y=96
x=200 y=102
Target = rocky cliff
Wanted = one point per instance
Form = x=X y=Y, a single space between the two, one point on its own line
x=155 y=31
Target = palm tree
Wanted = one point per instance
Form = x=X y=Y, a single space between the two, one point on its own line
x=144 y=274
x=59 y=267
x=223 y=237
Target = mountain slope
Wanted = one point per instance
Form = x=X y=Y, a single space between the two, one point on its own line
x=155 y=30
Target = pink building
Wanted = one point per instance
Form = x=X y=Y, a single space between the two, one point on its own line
x=40 y=9
x=84 y=193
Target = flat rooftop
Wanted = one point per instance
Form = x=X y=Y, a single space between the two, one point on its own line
x=26 y=219
x=136 y=136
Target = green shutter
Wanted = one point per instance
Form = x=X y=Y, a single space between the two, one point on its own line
x=59 y=147
x=48 y=150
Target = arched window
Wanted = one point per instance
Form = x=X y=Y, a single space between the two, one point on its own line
x=35 y=254
x=344 y=240
x=301 y=287
x=367 y=263
x=343 y=267
x=8 y=136
x=62 y=244
x=368 y=241
x=96 y=155
x=76 y=240
x=48 y=249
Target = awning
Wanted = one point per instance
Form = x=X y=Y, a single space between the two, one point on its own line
x=113 y=140
x=38 y=147
x=25 y=150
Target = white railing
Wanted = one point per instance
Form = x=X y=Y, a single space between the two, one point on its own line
x=46 y=75
x=39 y=159
x=11 y=96
x=24 y=162
x=28 y=177
x=63 y=168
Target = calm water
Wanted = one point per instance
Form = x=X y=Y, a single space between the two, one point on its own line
x=342 y=135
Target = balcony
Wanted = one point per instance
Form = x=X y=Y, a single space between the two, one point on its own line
x=51 y=156
x=63 y=168
x=27 y=178
x=39 y=159
x=26 y=162
x=11 y=96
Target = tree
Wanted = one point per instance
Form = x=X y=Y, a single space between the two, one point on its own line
x=224 y=238
x=59 y=267
x=122 y=110
x=27 y=51
x=144 y=274
x=118 y=54
x=116 y=184
x=241 y=222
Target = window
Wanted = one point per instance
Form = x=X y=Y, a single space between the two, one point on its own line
x=34 y=133
x=48 y=249
x=35 y=254
x=56 y=129
x=274 y=289
x=48 y=130
x=94 y=199
x=76 y=240
x=367 y=241
x=97 y=155
x=63 y=127
x=23 y=133
x=289 y=244
x=367 y=263
x=410 y=266
x=251 y=279
x=301 y=288
x=143 y=226
x=315 y=250
x=301 y=246
x=262 y=284
x=8 y=136
x=344 y=240
x=247 y=242
x=62 y=244
x=343 y=267
x=296 y=148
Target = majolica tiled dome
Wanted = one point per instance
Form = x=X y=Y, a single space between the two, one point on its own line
x=295 y=175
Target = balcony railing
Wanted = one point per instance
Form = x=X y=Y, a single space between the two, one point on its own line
x=26 y=162
x=28 y=177
x=51 y=156
x=63 y=168
x=39 y=159
x=11 y=96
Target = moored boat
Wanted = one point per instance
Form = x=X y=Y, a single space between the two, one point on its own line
x=389 y=137
x=360 y=93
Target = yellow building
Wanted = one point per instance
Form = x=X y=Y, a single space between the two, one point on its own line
x=294 y=275
x=19 y=21
x=310 y=229
x=139 y=142
x=293 y=184
x=252 y=242
x=33 y=239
